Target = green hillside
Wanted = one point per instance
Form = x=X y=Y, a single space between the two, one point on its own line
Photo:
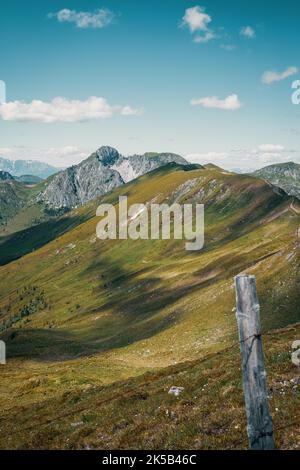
x=29 y=179
x=13 y=197
x=97 y=331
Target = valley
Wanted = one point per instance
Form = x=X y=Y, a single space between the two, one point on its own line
x=109 y=326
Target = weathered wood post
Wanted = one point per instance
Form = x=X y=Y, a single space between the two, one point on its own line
x=260 y=426
x=2 y=352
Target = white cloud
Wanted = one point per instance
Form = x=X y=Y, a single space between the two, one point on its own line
x=271 y=148
x=209 y=157
x=247 y=159
x=207 y=36
x=129 y=111
x=231 y=103
x=270 y=76
x=84 y=19
x=197 y=21
x=248 y=32
x=63 y=110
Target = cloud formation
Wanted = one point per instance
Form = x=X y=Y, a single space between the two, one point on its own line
x=206 y=37
x=63 y=110
x=84 y=19
x=248 y=32
x=197 y=21
x=270 y=76
x=247 y=159
x=271 y=148
x=231 y=103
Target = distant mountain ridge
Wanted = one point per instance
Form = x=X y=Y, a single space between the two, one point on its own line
x=27 y=167
x=25 y=202
x=284 y=175
x=103 y=171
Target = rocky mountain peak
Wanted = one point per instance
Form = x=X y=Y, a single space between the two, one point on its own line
x=107 y=155
x=103 y=171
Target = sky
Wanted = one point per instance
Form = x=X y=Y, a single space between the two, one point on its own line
x=209 y=80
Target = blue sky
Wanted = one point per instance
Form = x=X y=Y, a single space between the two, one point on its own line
x=145 y=64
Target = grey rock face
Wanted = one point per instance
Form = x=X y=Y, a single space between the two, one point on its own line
x=136 y=165
x=103 y=171
x=283 y=175
x=79 y=184
x=108 y=156
x=142 y=164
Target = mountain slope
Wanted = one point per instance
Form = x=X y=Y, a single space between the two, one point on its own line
x=139 y=413
x=91 y=325
x=13 y=197
x=27 y=167
x=283 y=175
x=32 y=228
x=242 y=216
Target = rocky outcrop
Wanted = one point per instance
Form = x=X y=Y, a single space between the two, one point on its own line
x=81 y=183
x=137 y=165
x=284 y=175
x=103 y=171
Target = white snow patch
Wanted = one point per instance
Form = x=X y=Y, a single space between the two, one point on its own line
x=126 y=171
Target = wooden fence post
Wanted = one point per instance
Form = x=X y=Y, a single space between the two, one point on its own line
x=260 y=426
x=2 y=352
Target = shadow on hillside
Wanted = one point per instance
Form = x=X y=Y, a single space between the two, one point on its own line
x=136 y=312
x=21 y=243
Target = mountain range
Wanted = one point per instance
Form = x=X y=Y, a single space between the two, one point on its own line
x=27 y=200
x=105 y=170
x=27 y=167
